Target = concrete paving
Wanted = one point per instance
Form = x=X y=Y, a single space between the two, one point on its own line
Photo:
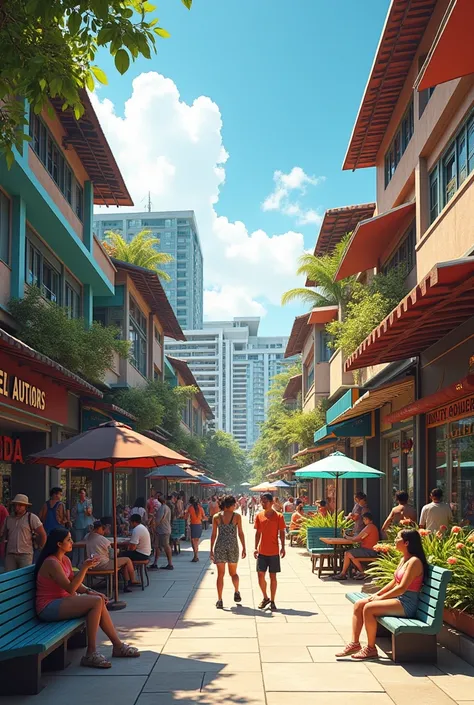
x=193 y=653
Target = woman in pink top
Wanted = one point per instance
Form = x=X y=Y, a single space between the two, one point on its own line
x=60 y=594
x=397 y=599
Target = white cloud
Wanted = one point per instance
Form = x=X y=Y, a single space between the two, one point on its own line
x=280 y=198
x=175 y=151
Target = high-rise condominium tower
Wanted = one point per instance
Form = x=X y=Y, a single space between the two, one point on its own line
x=179 y=237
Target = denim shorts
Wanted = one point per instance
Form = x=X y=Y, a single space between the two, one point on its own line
x=409 y=602
x=50 y=613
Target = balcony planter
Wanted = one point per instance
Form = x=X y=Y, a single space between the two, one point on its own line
x=462 y=621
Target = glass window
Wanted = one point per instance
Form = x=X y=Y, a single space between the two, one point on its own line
x=404 y=254
x=470 y=144
x=434 y=195
x=79 y=202
x=309 y=376
x=50 y=284
x=33 y=265
x=72 y=302
x=462 y=469
x=4 y=228
x=400 y=142
x=462 y=158
x=138 y=336
x=449 y=175
x=326 y=351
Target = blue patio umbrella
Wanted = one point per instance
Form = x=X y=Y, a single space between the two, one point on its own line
x=337 y=466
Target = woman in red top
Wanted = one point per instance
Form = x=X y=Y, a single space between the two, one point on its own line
x=60 y=595
x=195 y=514
x=397 y=599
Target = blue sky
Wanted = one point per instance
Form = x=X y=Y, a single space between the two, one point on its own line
x=285 y=78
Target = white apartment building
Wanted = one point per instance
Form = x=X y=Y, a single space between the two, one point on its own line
x=234 y=368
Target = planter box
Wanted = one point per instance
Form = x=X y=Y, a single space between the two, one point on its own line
x=462 y=621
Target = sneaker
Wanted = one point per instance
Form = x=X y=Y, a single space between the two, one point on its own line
x=273 y=606
x=220 y=605
x=264 y=603
x=167 y=567
x=367 y=653
x=237 y=596
x=351 y=648
x=153 y=567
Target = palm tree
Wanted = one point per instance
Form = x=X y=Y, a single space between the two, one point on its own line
x=141 y=250
x=322 y=271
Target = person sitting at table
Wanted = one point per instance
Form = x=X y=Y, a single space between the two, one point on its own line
x=277 y=505
x=298 y=516
x=367 y=538
x=97 y=545
x=397 y=599
x=61 y=595
x=139 y=548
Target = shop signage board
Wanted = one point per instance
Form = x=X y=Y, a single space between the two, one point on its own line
x=450 y=412
x=26 y=390
x=10 y=450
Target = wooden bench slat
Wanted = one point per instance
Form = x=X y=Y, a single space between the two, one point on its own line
x=16 y=582
x=42 y=634
x=428 y=599
x=16 y=592
x=24 y=610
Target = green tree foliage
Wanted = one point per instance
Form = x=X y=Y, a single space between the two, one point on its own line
x=284 y=427
x=224 y=459
x=367 y=308
x=48 y=49
x=46 y=327
x=141 y=250
x=155 y=404
x=322 y=270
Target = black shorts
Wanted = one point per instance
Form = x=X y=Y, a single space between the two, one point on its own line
x=270 y=562
x=134 y=555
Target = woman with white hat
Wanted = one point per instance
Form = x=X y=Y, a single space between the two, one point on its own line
x=22 y=533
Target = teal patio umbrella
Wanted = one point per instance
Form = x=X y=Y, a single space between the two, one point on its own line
x=337 y=466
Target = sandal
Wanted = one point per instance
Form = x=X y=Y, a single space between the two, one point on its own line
x=359 y=576
x=125 y=651
x=367 y=653
x=264 y=603
x=95 y=660
x=352 y=648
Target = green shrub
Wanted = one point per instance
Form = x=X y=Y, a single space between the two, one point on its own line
x=324 y=522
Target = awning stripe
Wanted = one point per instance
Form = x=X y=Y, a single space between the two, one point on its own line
x=376 y=398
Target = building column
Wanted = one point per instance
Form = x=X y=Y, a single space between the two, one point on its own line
x=17 y=285
x=88 y=305
x=55 y=473
x=88 y=231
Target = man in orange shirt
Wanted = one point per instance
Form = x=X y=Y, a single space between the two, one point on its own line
x=367 y=538
x=269 y=526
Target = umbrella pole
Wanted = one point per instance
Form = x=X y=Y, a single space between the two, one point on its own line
x=115 y=604
x=335 y=524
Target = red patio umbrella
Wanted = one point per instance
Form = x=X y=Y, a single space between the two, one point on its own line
x=105 y=448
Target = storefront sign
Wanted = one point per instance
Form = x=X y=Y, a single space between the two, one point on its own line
x=27 y=390
x=450 y=412
x=10 y=450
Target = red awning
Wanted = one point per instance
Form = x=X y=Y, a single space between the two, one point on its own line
x=441 y=302
x=293 y=388
x=444 y=396
x=371 y=238
x=451 y=55
x=324 y=314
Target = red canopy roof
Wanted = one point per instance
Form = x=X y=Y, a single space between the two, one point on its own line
x=432 y=401
x=293 y=388
x=451 y=55
x=404 y=28
x=439 y=303
x=371 y=238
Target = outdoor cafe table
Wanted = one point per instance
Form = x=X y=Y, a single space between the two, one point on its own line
x=339 y=542
x=121 y=541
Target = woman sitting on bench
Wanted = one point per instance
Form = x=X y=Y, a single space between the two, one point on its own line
x=60 y=595
x=397 y=599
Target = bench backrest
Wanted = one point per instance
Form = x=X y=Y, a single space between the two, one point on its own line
x=309 y=508
x=432 y=596
x=287 y=517
x=17 y=601
x=314 y=535
x=178 y=528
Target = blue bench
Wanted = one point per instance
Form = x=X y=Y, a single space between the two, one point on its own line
x=26 y=644
x=415 y=639
x=178 y=531
x=323 y=557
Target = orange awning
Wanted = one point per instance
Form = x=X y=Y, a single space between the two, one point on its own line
x=451 y=55
x=371 y=238
x=441 y=302
x=324 y=314
x=293 y=388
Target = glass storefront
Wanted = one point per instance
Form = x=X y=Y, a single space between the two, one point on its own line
x=399 y=467
x=5 y=483
x=452 y=449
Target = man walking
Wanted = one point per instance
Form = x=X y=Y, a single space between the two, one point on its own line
x=22 y=532
x=437 y=513
x=269 y=527
x=163 y=535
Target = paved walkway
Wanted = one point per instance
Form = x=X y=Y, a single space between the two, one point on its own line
x=192 y=653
